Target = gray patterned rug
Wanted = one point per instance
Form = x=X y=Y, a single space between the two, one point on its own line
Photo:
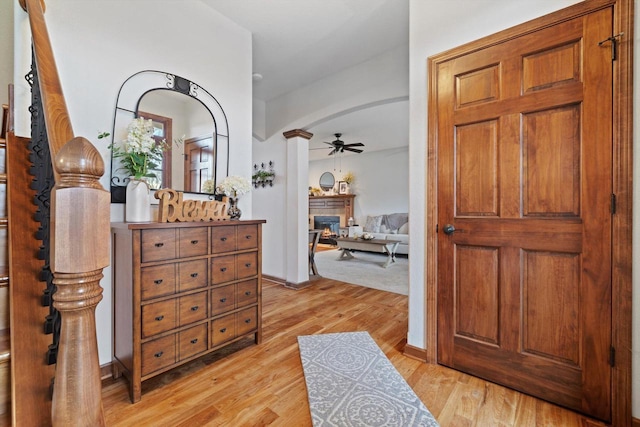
x=350 y=382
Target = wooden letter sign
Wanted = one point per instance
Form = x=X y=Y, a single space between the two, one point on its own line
x=173 y=208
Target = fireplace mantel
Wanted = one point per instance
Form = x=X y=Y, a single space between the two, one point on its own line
x=341 y=205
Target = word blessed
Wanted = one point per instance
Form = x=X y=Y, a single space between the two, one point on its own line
x=172 y=208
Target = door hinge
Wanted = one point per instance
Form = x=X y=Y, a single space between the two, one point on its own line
x=613 y=204
x=612 y=356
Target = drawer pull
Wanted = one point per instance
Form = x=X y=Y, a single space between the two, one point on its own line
x=159 y=318
x=194 y=275
x=224 y=239
x=223 y=330
x=223 y=269
x=158 y=354
x=223 y=300
x=194 y=308
x=159 y=245
x=248 y=237
x=195 y=340
x=157 y=282
x=247 y=293
x=247 y=321
x=194 y=242
x=248 y=264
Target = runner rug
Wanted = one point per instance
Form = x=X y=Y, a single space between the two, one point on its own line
x=350 y=382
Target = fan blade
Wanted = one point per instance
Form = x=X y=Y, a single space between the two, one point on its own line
x=332 y=151
x=355 y=144
x=330 y=143
x=355 y=150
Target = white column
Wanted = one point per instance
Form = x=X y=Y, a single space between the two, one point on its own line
x=297 y=208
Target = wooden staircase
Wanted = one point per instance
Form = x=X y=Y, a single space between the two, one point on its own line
x=5 y=342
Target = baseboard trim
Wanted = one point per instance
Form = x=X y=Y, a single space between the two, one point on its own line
x=415 y=353
x=290 y=285
x=297 y=286
x=274 y=279
x=106 y=372
x=635 y=422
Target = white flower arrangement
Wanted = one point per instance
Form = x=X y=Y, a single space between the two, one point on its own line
x=208 y=186
x=140 y=153
x=234 y=186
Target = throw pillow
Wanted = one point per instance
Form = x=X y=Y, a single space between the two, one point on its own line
x=372 y=225
x=404 y=229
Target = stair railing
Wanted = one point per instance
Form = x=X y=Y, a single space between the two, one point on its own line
x=79 y=252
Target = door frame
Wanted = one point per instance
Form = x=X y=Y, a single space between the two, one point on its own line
x=621 y=273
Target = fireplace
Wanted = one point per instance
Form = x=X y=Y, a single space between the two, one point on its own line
x=330 y=226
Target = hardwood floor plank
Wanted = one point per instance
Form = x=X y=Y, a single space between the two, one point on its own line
x=259 y=385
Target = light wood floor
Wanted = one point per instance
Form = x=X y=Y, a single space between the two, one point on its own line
x=264 y=385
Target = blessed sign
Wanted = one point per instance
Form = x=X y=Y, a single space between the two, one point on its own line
x=173 y=208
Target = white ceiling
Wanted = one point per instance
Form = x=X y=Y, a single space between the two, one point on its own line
x=297 y=42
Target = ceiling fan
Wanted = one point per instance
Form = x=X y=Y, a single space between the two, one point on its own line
x=339 y=146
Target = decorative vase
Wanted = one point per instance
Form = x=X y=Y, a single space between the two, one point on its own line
x=137 y=207
x=234 y=211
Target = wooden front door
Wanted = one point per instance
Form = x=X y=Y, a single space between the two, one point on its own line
x=524 y=184
x=198 y=163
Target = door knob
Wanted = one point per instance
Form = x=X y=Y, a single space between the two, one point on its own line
x=448 y=229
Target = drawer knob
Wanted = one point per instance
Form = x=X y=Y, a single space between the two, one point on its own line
x=194 y=242
x=223 y=269
x=194 y=275
x=247 y=321
x=247 y=293
x=248 y=237
x=223 y=330
x=248 y=264
x=224 y=239
x=159 y=318
x=194 y=308
x=195 y=340
x=158 y=354
x=159 y=245
x=223 y=300
x=157 y=282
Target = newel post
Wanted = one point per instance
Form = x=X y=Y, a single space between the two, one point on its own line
x=79 y=252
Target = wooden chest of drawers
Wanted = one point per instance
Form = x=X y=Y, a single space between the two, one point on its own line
x=180 y=291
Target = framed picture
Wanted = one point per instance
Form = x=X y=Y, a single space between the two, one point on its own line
x=343 y=187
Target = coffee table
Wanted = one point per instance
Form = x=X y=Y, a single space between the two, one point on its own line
x=347 y=244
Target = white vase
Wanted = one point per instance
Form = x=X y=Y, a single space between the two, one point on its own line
x=137 y=207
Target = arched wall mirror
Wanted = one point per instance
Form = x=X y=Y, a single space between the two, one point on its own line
x=327 y=181
x=178 y=108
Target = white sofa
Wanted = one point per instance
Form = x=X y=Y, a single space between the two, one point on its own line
x=389 y=227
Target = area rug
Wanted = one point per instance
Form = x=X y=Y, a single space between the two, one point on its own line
x=365 y=269
x=350 y=382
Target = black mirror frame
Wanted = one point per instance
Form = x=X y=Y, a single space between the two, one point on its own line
x=326 y=187
x=142 y=82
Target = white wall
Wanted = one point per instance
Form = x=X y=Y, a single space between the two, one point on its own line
x=480 y=19
x=269 y=203
x=381 y=182
x=6 y=48
x=99 y=44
